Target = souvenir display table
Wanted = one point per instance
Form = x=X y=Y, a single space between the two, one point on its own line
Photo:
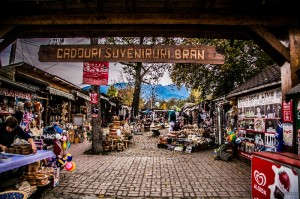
x=17 y=160
x=189 y=139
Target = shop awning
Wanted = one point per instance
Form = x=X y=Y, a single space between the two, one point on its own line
x=112 y=103
x=16 y=85
x=294 y=92
x=83 y=96
x=105 y=98
x=55 y=91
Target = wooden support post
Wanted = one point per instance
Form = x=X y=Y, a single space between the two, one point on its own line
x=294 y=35
x=97 y=137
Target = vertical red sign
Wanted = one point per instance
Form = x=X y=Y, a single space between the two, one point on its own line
x=287 y=112
x=95 y=73
x=94 y=98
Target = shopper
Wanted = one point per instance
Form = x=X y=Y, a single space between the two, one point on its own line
x=199 y=119
x=9 y=129
x=191 y=118
x=172 y=119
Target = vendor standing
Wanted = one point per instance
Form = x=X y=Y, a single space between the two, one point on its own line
x=9 y=129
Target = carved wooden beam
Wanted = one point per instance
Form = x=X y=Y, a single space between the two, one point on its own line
x=6 y=29
x=191 y=19
x=294 y=35
x=195 y=31
x=272 y=41
x=7 y=40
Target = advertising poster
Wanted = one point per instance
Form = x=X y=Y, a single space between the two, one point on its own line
x=270 y=180
x=270 y=142
x=95 y=73
x=259 y=124
x=288 y=134
x=261 y=105
x=271 y=125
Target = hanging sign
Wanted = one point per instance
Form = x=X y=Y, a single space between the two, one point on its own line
x=287 y=112
x=132 y=53
x=95 y=73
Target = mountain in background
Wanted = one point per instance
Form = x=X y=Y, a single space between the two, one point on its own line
x=162 y=92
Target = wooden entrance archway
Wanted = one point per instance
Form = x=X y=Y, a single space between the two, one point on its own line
x=264 y=21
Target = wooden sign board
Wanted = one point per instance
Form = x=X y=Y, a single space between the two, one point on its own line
x=131 y=53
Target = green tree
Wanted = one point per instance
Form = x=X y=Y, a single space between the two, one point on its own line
x=194 y=96
x=112 y=91
x=141 y=72
x=175 y=103
x=126 y=94
x=243 y=59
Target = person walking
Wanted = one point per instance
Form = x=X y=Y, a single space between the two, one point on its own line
x=199 y=119
x=191 y=118
x=172 y=119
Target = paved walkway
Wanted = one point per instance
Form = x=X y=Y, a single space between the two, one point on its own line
x=145 y=171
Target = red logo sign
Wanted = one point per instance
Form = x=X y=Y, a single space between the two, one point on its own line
x=95 y=73
x=270 y=180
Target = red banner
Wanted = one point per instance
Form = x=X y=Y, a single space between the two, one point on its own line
x=95 y=73
x=270 y=180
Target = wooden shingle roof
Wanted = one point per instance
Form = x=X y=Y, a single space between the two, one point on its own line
x=269 y=77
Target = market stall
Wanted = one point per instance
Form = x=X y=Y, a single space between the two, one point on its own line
x=26 y=173
x=189 y=139
x=118 y=137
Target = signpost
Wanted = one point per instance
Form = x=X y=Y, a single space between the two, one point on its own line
x=132 y=53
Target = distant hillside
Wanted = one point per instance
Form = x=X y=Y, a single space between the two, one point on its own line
x=162 y=92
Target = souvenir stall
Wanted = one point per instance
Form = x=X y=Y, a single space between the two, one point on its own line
x=39 y=171
x=258 y=117
x=118 y=137
x=276 y=174
x=9 y=99
x=59 y=108
x=189 y=139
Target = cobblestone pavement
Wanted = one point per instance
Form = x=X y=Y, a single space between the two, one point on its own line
x=145 y=171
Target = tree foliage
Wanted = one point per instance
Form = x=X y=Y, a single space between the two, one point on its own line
x=126 y=94
x=163 y=106
x=175 y=103
x=194 y=96
x=243 y=59
x=112 y=91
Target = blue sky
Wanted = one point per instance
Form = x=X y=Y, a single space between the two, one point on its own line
x=27 y=51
